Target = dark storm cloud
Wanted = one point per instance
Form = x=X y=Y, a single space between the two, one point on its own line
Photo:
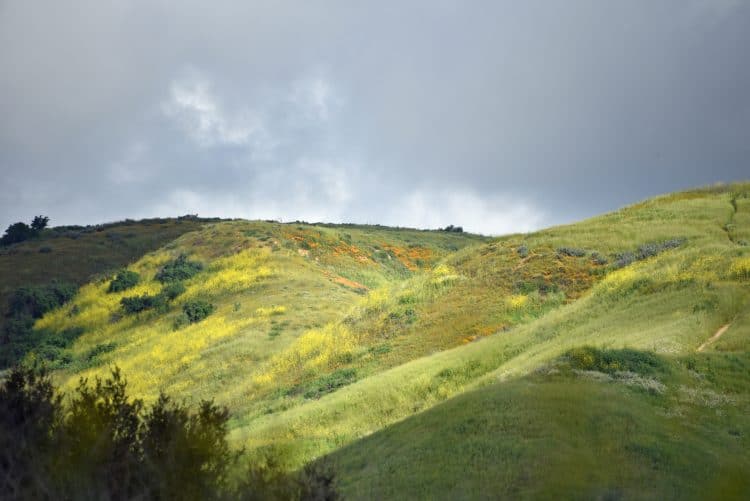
x=501 y=116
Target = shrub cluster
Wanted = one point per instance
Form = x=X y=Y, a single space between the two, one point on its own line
x=611 y=361
x=179 y=269
x=106 y=445
x=331 y=383
x=197 y=310
x=124 y=280
x=172 y=290
x=522 y=251
x=24 y=306
x=646 y=251
x=597 y=258
x=37 y=300
x=19 y=232
x=454 y=229
x=159 y=302
x=571 y=251
x=137 y=304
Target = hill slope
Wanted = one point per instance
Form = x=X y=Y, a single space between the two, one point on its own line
x=404 y=353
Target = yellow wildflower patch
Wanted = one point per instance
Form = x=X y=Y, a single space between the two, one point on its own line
x=233 y=274
x=316 y=349
x=518 y=301
x=740 y=268
x=442 y=274
x=270 y=311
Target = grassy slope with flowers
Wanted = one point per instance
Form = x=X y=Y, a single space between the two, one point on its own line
x=377 y=344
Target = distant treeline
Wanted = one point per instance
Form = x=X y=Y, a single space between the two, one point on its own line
x=20 y=231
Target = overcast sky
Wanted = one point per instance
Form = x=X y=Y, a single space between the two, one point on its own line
x=498 y=116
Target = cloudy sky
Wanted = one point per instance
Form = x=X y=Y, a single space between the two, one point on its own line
x=498 y=116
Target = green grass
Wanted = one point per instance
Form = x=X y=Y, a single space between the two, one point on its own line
x=559 y=435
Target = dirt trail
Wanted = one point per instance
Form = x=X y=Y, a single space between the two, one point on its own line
x=713 y=338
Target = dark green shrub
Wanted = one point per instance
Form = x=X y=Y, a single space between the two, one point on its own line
x=180 y=321
x=179 y=269
x=106 y=445
x=331 y=383
x=124 y=280
x=99 y=349
x=522 y=251
x=136 y=304
x=172 y=290
x=611 y=361
x=39 y=223
x=37 y=300
x=17 y=232
x=197 y=310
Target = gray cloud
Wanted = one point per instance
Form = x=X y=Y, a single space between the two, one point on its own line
x=499 y=116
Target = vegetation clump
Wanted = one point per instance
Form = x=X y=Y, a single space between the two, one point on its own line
x=646 y=251
x=172 y=290
x=571 y=251
x=124 y=280
x=137 y=304
x=35 y=301
x=331 y=383
x=598 y=259
x=197 y=310
x=106 y=445
x=179 y=269
x=588 y=358
x=19 y=232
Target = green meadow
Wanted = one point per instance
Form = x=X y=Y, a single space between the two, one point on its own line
x=606 y=359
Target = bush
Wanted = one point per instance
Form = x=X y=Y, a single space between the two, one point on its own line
x=623 y=259
x=179 y=269
x=197 y=310
x=124 y=280
x=160 y=301
x=571 y=251
x=331 y=383
x=106 y=445
x=172 y=290
x=17 y=232
x=597 y=258
x=611 y=361
x=646 y=251
x=180 y=321
x=136 y=304
x=522 y=251
x=37 y=300
x=39 y=223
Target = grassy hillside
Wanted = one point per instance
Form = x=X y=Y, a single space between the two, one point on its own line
x=680 y=432
x=279 y=293
x=77 y=253
x=409 y=353
x=43 y=272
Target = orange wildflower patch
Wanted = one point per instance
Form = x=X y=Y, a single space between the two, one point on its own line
x=409 y=256
x=350 y=283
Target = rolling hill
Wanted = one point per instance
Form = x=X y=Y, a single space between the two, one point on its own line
x=603 y=359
